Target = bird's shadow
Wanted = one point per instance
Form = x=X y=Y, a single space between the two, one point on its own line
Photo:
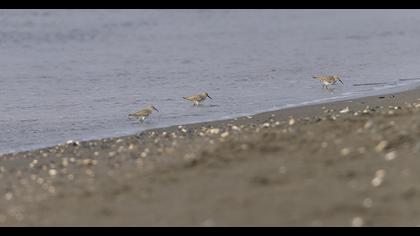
x=205 y=105
x=138 y=121
x=330 y=90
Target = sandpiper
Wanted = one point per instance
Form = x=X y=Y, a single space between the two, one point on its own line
x=328 y=80
x=198 y=99
x=144 y=113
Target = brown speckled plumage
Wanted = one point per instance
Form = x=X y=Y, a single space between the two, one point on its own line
x=197 y=99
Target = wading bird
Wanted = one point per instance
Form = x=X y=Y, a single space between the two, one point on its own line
x=144 y=113
x=328 y=80
x=198 y=99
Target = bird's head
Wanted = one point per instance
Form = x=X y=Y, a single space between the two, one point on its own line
x=207 y=95
x=154 y=108
x=338 y=78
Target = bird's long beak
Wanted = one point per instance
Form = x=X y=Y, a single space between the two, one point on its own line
x=209 y=96
x=341 y=81
x=156 y=109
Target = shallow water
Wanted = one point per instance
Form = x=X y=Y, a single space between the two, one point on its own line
x=76 y=74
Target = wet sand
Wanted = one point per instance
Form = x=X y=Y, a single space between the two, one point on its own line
x=326 y=166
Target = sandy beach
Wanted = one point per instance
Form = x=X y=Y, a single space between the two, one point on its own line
x=346 y=163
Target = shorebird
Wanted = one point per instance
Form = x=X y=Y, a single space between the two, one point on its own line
x=328 y=80
x=144 y=113
x=198 y=99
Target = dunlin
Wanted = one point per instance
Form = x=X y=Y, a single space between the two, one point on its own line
x=198 y=99
x=328 y=80
x=144 y=113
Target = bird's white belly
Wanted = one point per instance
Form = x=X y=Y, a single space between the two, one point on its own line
x=200 y=101
x=327 y=83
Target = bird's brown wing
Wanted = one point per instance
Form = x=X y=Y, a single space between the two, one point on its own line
x=330 y=79
x=142 y=113
x=193 y=98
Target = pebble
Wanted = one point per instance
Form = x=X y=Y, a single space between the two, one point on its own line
x=213 y=131
x=292 y=121
x=368 y=124
x=65 y=162
x=390 y=156
x=236 y=128
x=52 y=172
x=380 y=173
x=87 y=162
x=345 y=151
x=381 y=146
x=8 y=196
x=224 y=134
x=378 y=179
x=357 y=221
x=345 y=110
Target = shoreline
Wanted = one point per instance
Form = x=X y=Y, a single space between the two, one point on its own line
x=298 y=111
x=314 y=165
